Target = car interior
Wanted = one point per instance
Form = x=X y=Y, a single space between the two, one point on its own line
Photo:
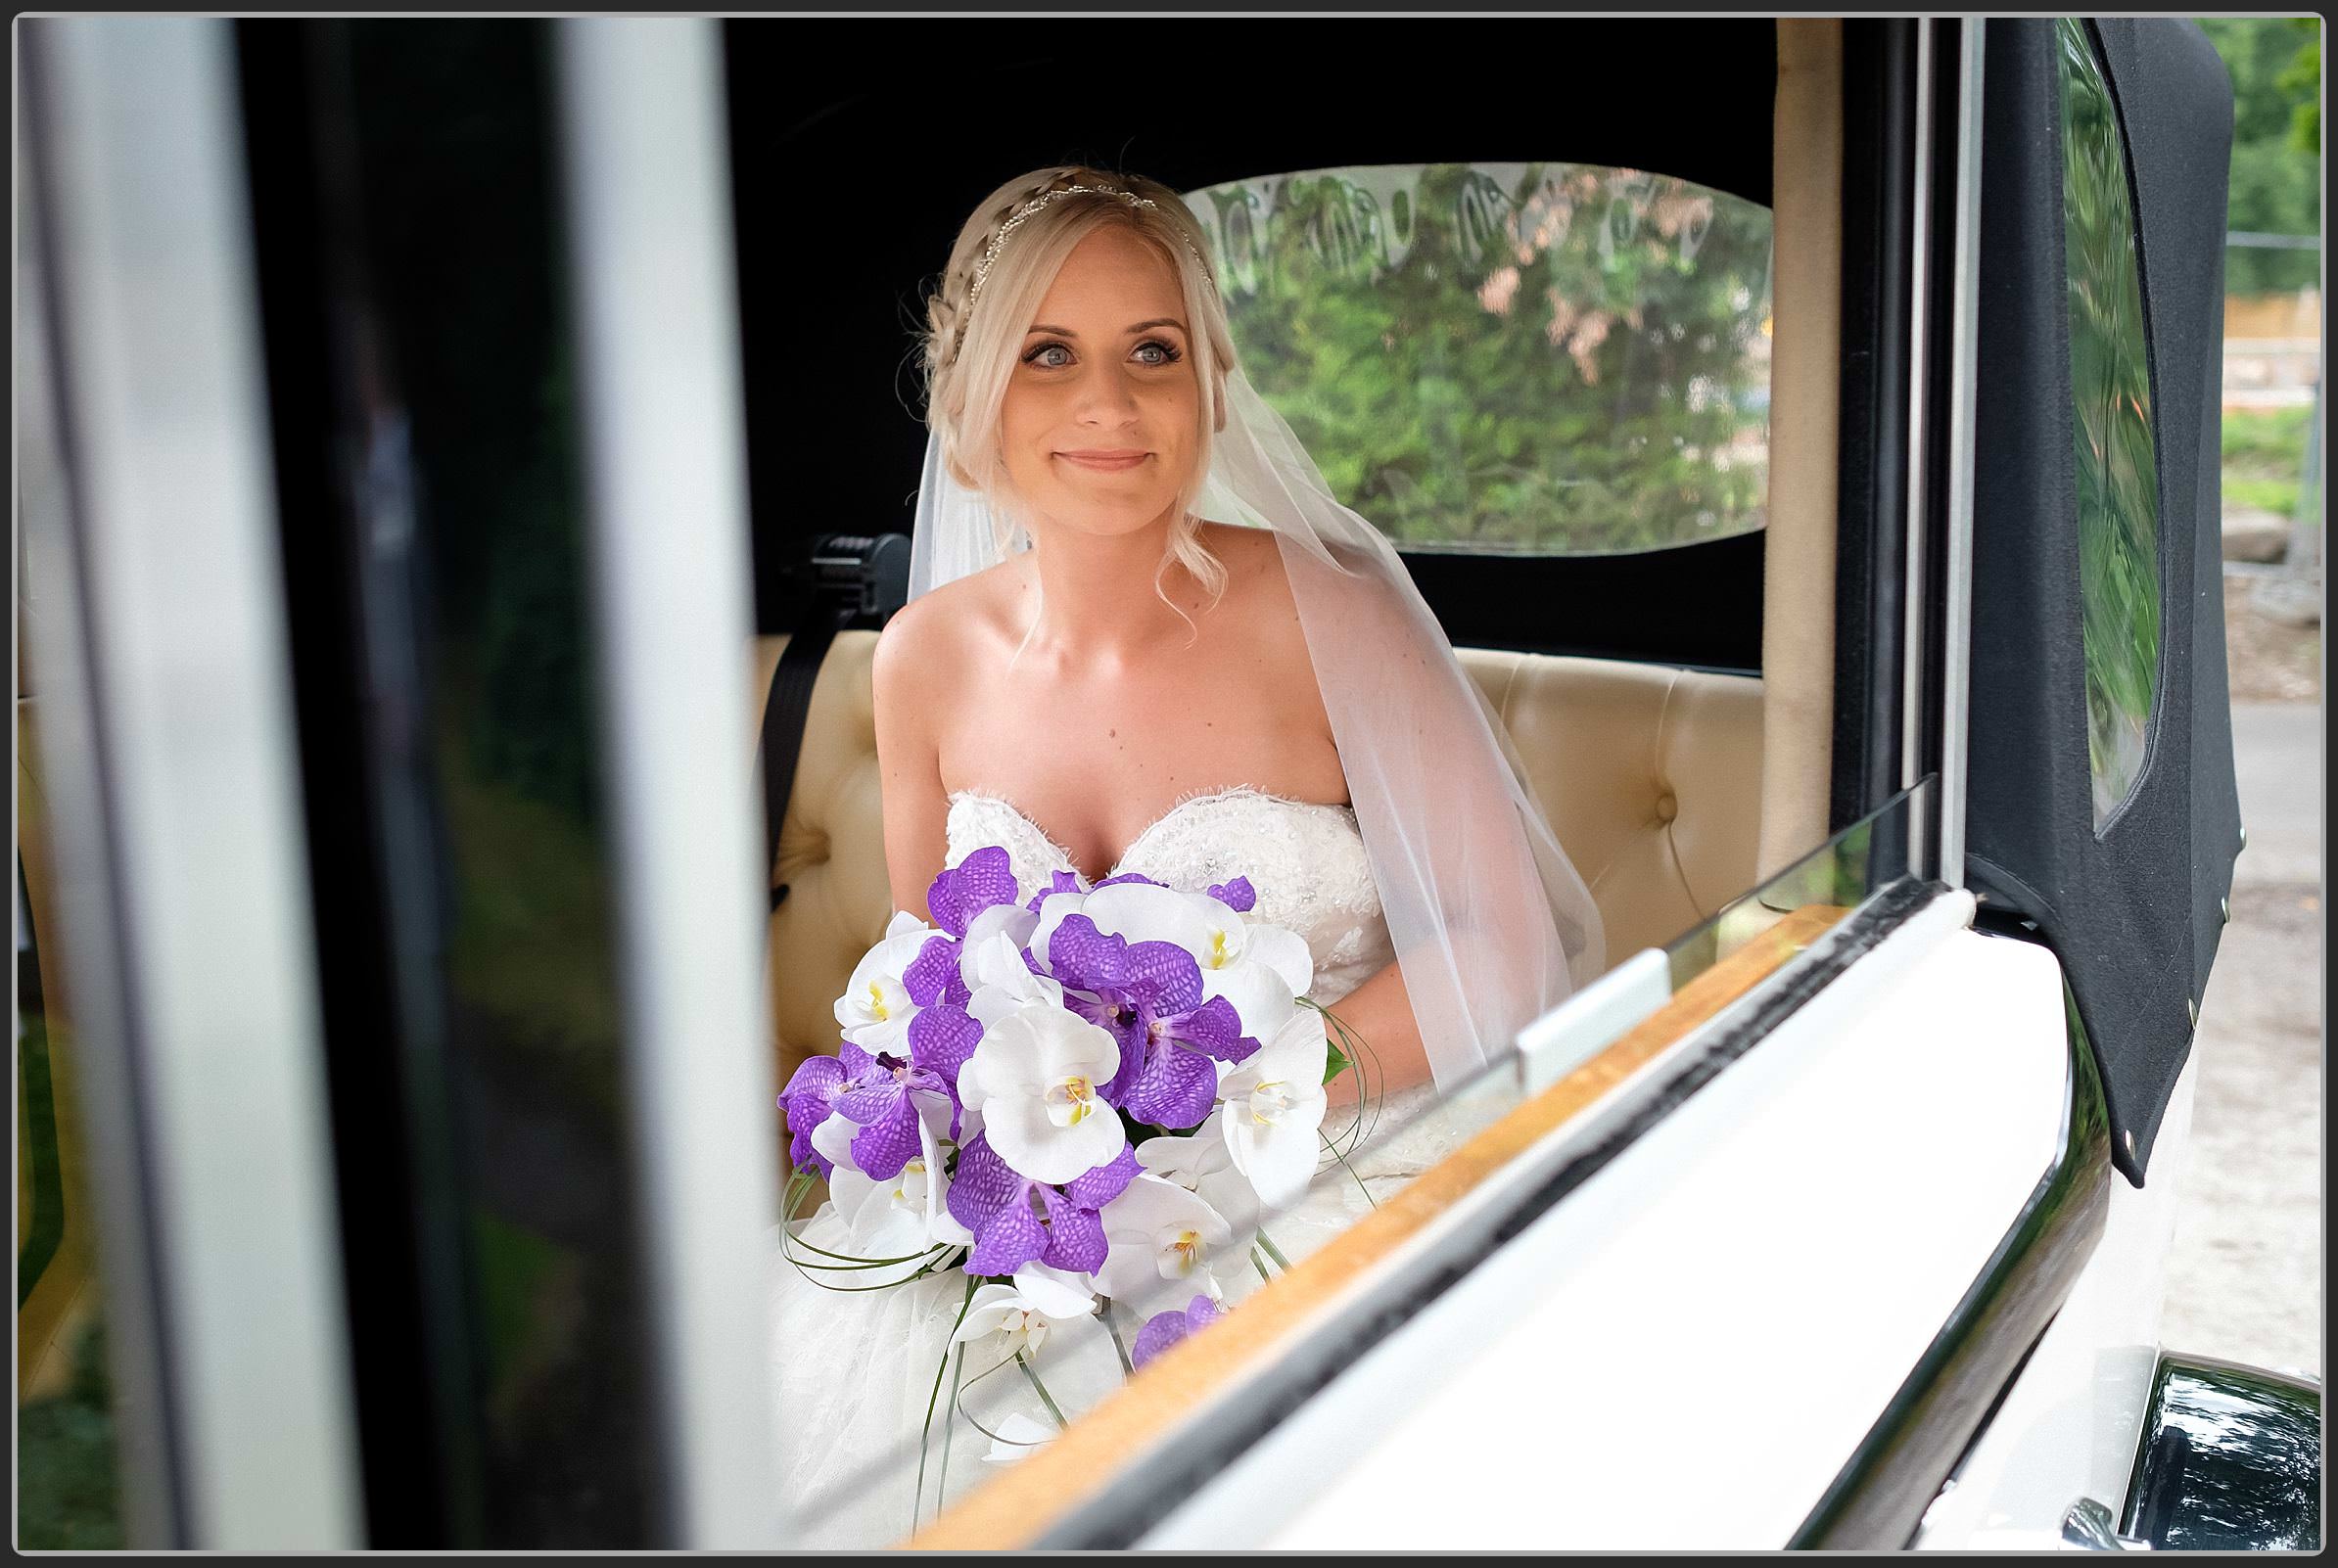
x=1674 y=707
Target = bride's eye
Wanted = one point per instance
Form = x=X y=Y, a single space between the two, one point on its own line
x=1168 y=352
x=1034 y=357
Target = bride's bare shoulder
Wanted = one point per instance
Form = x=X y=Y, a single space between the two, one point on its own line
x=931 y=641
x=1258 y=614
x=1258 y=581
x=1256 y=584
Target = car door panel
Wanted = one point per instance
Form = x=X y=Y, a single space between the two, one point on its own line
x=1641 y=1366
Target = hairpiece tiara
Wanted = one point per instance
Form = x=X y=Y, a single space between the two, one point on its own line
x=990 y=252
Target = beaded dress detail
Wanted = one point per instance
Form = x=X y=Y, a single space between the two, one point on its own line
x=1306 y=860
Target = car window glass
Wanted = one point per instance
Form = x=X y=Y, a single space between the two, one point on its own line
x=2113 y=447
x=1510 y=358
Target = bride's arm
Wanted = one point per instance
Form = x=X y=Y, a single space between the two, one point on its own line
x=906 y=691
x=1379 y=1013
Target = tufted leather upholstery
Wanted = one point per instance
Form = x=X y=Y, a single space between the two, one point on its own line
x=831 y=849
x=1652 y=778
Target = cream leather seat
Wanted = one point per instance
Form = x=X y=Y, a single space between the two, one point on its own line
x=1650 y=775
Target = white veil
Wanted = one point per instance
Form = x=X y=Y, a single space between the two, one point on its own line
x=1490 y=922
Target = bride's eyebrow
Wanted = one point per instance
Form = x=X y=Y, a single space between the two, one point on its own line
x=1142 y=326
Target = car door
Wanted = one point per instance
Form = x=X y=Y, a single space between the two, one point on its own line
x=434 y=1143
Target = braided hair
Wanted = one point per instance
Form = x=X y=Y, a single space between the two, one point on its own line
x=972 y=329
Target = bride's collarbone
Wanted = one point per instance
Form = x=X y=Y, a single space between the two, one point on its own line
x=1105 y=754
x=1096 y=778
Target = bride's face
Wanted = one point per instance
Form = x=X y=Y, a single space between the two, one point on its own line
x=1097 y=428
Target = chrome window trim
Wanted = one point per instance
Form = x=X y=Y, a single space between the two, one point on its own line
x=194 y=908
x=648 y=193
x=1911 y=696
x=1964 y=333
x=92 y=938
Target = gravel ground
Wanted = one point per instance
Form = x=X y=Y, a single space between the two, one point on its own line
x=2244 y=1280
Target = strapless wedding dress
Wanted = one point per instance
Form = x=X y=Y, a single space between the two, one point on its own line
x=852 y=1374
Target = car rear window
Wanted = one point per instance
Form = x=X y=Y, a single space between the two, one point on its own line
x=1527 y=358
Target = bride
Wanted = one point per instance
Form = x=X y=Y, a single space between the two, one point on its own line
x=1144 y=639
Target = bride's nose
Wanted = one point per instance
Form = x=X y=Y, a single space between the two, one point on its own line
x=1106 y=396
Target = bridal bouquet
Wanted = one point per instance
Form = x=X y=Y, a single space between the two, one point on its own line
x=1086 y=1099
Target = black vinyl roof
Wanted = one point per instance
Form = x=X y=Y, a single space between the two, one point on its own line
x=2134 y=912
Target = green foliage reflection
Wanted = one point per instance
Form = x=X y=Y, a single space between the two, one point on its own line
x=2110 y=373
x=1512 y=357
x=67 y=1485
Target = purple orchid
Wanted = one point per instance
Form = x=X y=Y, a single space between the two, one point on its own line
x=1238 y=894
x=1061 y=882
x=883 y=1098
x=812 y=1095
x=981 y=880
x=1149 y=995
x=1164 y=1329
x=1017 y=1220
x=933 y=975
x=1128 y=876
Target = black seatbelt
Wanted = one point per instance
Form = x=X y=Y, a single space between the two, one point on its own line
x=856 y=576
x=784 y=710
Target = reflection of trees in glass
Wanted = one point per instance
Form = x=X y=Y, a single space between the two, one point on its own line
x=455 y=158
x=67 y=1480
x=2118 y=485
x=1525 y=357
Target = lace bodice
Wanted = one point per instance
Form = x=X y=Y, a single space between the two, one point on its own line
x=1305 y=859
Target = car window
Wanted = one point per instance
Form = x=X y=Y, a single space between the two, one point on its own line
x=2113 y=443
x=1510 y=358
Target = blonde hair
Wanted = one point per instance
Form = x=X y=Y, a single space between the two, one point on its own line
x=972 y=341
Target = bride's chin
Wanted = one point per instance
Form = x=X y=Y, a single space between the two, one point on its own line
x=1097 y=523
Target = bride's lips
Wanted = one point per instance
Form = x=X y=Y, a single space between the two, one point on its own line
x=1110 y=462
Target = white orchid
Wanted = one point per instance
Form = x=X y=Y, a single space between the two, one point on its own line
x=1202 y=1164
x=1274 y=1108
x=1262 y=969
x=833 y=1139
x=1139 y=911
x=875 y=1009
x=1164 y=1242
x=1009 y=920
x=995 y=971
x=1035 y=1082
x=1023 y=1313
x=1019 y=1435
x=899 y=1217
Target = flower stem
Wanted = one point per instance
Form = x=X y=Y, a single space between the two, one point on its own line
x=1112 y=1327
x=1259 y=1264
x=1032 y=1378
x=949 y=1426
x=1274 y=1252
x=925 y=1437
x=1350 y=1170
